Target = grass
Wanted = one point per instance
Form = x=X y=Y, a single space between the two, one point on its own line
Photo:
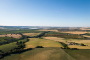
x=5 y=38
x=82 y=54
x=41 y=42
x=49 y=53
x=31 y=34
x=8 y=47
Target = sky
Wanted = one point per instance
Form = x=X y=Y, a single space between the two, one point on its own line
x=61 y=13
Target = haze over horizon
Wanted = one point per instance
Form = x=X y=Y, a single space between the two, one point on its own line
x=62 y=13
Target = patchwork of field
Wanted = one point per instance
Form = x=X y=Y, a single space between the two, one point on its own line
x=11 y=35
x=41 y=42
x=75 y=32
x=49 y=30
x=66 y=41
x=53 y=53
x=31 y=34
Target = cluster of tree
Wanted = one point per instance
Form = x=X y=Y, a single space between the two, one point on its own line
x=39 y=46
x=82 y=44
x=64 y=45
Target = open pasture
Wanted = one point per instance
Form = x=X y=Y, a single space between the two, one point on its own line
x=66 y=41
x=8 y=47
x=11 y=35
x=47 y=53
x=31 y=34
x=41 y=42
x=81 y=54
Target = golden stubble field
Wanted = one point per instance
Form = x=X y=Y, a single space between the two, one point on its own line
x=75 y=32
x=66 y=41
x=11 y=35
x=31 y=34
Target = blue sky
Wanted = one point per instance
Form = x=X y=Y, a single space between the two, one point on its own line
x=62 y=13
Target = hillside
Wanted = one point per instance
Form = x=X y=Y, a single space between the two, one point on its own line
x=48 y=53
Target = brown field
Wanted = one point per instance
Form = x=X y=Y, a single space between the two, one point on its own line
x=85 y=28
x=66 y=41
x=31 y=34
x=11 y=35
x=86 y=36
x=75 y=32
x=79 y=47
x=49 y=30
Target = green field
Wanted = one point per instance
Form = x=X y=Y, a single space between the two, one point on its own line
x=7 y=47
x=42 y=42
x=53 y=53
x=82 y=54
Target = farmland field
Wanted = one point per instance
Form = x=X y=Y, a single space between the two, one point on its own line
x=49 y=53
x=31 y=34
x=49 y=30
x=8 y=47
x=51 y=42
x=86 y=42
x=19 y=31
x=86 y=36
x=6 y=39
x=41 y=42
x=75 y=32
x=82 y=54
x=63 y=35
x=85 y=28
x=11 y=35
